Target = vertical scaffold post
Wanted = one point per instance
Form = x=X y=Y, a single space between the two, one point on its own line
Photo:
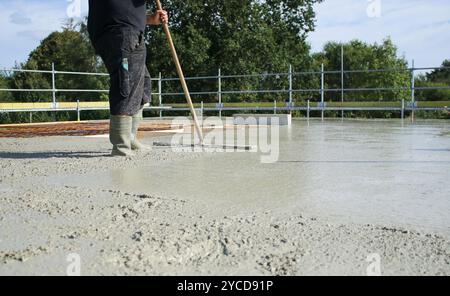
x=54 y=91
x=160 y=94
x=291 y=98
x=308 y=111
x=53 y=85
x=322 y=91
x=219 y=92
x=342 y=80
x=403 y=109
x=413 y=91
x=78 y=111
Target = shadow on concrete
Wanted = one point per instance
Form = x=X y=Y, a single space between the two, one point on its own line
x=366 y=161
x=434 y=150
x=54 y=154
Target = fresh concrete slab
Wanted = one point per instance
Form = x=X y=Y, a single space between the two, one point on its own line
x=262 y=119
x=339 y=193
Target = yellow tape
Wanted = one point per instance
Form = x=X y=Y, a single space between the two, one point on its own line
x=65 y=105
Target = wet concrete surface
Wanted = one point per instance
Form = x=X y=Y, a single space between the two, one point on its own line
x=338 y=193
x=382 y=172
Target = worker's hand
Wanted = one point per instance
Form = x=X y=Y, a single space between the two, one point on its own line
x=161 y=16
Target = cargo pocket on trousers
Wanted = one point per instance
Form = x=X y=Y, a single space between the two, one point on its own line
x=124 y=78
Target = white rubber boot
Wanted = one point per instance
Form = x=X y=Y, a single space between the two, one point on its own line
x=119 y=135
x=135 y=144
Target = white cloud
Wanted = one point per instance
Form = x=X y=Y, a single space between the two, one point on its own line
x=25 y=23
x=420 y=28
x=19 y=19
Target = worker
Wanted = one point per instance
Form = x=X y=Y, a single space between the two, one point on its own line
x=116 y=29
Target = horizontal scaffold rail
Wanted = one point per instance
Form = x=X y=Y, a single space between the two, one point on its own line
x=257 y=106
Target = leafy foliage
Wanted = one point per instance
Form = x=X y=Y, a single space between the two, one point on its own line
x=5 y=84
x=69 y=50
x=437 y=78
x=238 y=36
x=362 y=56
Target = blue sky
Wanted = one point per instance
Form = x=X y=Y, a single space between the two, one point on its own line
x=420 y=28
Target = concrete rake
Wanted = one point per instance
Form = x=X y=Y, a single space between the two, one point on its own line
x=188 y=97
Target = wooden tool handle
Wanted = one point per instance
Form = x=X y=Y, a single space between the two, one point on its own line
x=181 y=75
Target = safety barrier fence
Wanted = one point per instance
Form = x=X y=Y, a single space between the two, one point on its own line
x=401 y=105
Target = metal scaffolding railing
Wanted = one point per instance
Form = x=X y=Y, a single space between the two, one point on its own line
x=402 y=104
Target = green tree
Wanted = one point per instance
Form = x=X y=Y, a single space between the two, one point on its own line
x=442 y=74
x=439 y=78
x=359 y=55
x=69 y=50
x=238 y=36
x=5 y=84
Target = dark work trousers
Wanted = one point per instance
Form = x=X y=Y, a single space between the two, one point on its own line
x=124 y=53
